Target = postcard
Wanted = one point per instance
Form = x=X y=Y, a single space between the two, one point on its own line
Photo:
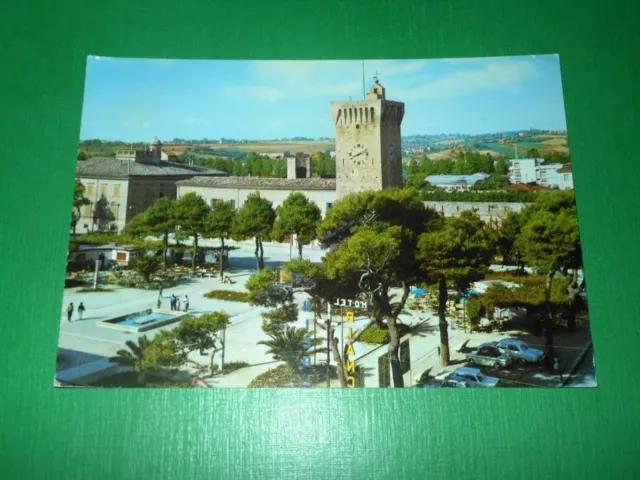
x=324 y=224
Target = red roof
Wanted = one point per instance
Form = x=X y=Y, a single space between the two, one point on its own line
x=525 y=187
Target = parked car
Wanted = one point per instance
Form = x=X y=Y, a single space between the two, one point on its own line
x=448 y=383
x=520 y=351
x=471 y=376
x=488 y=354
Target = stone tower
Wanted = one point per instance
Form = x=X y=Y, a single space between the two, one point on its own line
x=368 y=146
x=156 y=149
x=298 y=166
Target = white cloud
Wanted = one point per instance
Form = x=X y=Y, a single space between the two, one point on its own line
x=261 y=93
x=196 y=121
x=136 y=123
x=495 y=74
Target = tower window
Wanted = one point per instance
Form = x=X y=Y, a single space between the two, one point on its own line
x=357 y=126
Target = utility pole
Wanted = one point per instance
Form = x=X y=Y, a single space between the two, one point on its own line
x=328 y=344
x=95 y=275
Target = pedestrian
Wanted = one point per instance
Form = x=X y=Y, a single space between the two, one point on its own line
x=186 y=303
x=178 y=304
x=159 y=302
x=556 y=367
x=81 y=310
x=173 y=302
x=161 y=288
x=69 y=311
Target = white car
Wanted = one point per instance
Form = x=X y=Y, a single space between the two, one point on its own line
x=520 y=351
x=471 y=377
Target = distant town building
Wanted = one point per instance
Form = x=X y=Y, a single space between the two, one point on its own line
x=130 y=183
x=528 y=170
x=456 y=182
x=566 y=177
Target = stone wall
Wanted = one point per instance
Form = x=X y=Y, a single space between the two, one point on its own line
x=486 y=210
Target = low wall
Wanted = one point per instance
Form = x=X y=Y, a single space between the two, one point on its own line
x=486 y=210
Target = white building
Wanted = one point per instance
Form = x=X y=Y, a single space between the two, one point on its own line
x=322 y=191
x=456 y=182
x=531 y=170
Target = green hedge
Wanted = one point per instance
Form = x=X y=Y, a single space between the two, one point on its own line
x=375 y=334
x=233 y=366
x=228 y=295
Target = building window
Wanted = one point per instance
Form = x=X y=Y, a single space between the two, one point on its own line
x=86 y=211
x=103 y=189
x=122 y=256
x=116 y=190
x=213 y=202
x=114 y=211
x=566 y=177
x=516 y=164
x=329 y=205
x=90 y=189
x=233 y=204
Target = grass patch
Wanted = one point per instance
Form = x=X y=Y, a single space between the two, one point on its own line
x=283 y=376
x=91 y=290
x=228 y=295
x=233 y=366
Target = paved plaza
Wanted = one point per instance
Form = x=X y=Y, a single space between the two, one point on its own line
x=85 y=346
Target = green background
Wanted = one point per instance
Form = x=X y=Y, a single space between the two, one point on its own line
x=373 y=434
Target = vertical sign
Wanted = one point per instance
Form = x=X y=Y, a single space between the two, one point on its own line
x=350 y=353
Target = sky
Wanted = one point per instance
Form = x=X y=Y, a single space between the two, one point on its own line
x=138 y=99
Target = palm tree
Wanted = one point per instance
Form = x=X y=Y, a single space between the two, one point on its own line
x=290 y=345
x=134 y=357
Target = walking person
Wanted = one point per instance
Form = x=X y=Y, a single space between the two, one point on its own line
x=173 y=302
x=81 y=310
x=159 y=303
x=160 y=292
x=69 y=311
x=186 y=303
x=177 y=304
x=556 y=367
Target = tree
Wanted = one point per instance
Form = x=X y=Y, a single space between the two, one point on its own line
x=189 y=213
x=266 y=290
x=150 y=356
x=79 y=200
x=289 y=345
x=201 y=333
x=157 y=220
x=218 y=224
x=102 y=214
x=533 y=153
x=82 y=155
x=372 y=236
x=457 y=253
x=501 y=167
x=146 y=266
x=312 y=279
x=255 y=219
x=508 y=232
x=549 y=242
x=298 y=216
x=494 y=182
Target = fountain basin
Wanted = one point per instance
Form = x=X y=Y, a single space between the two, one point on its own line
x=144 y=320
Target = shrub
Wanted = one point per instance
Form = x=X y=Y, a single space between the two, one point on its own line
x=89 y=290
x=474 y=311
x=375 y=334
x=228 y=295
x=285 y=376
x=74 y=282
x=233 y=366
